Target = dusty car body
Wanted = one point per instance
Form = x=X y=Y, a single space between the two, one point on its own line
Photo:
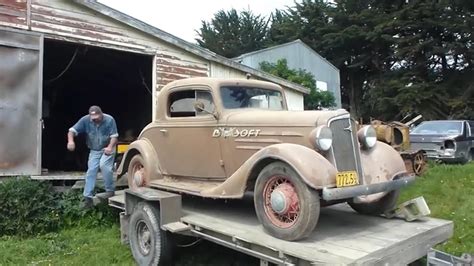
x=445 y=140
x=219 y=138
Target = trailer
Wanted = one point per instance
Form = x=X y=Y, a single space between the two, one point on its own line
x=341 y=237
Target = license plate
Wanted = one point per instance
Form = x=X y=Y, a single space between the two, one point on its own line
x=346 y=179
x=122 y=148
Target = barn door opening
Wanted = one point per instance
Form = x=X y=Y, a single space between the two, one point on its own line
x=77 y=76
x=21 y=56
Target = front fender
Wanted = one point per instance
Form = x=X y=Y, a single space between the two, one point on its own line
x=380 y=164
x=313 y=168
x=148 y=153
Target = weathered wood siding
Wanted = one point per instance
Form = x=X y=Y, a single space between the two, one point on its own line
x=173 y=65
x=14 y=13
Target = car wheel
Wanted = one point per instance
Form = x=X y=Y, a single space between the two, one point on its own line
x=149 y=244
x=286 y=207
x=137 y=176
x=386 y=203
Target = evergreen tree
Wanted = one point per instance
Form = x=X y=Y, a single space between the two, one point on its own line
x=231 y=33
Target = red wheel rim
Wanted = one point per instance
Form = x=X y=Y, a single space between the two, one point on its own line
x=288 y=216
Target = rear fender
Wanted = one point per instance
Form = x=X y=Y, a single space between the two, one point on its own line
x=148 y=153
x=312 y=167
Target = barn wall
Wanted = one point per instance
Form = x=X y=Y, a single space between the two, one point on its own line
x=67 y=21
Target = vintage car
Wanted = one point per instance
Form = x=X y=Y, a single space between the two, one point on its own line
x=445 y=140
x=221 y=138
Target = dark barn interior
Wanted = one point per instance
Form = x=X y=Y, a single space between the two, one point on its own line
x=77 y=76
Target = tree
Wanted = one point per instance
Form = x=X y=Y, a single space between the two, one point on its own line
x=316 y=98
x=231 y=33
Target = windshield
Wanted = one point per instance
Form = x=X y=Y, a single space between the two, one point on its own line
x=439 y=128
x=248 y=97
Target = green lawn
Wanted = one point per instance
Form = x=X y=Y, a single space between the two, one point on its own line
x=448 y=189
x=449 y=192
x=77 y=246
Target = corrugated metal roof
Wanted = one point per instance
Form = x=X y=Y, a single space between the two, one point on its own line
x=189 y=47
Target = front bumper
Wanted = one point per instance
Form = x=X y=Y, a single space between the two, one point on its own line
x=444 y=157
x=399 y=181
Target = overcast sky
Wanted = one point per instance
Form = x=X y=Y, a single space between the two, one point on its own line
x=182 y=18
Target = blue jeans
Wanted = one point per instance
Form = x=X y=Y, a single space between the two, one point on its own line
x=97 y=159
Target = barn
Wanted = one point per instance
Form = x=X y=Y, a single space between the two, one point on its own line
x=59 y=57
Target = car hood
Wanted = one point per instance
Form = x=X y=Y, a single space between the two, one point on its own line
x=431 y=138
x=281 y=118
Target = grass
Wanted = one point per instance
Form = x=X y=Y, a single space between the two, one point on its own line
x=448 y=190
x=76 y=246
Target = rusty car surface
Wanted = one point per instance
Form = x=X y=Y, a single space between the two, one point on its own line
x=220 y=138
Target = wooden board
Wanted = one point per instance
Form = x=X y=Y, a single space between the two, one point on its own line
x=341 y=236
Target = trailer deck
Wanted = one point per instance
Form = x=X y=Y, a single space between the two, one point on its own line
x=341 y=237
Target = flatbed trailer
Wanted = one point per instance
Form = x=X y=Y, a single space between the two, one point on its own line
x=341 y=237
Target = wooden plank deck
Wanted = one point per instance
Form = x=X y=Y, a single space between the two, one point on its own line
x=341 y=236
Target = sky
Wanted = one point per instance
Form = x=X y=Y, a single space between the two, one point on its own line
x=182 y=18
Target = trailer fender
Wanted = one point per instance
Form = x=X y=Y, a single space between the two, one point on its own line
x=312 y=167
x=150 y=159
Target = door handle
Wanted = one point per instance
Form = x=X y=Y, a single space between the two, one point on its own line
x=164 y=131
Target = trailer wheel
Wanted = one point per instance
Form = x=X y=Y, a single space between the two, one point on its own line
x=136 y=176
x=386 y=203
x=149 y=244
x=287 y=208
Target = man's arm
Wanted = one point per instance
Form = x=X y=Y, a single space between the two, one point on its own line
x=71 y=146
x=73 y=131
x=113 y=138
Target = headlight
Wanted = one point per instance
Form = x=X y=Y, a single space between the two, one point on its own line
x=367 y=137
x=449 y=144
x=322 y=138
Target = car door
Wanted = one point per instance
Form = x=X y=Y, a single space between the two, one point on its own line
x=185 y=144
x=470 y=126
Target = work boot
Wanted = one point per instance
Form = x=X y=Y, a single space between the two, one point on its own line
x=88 y=203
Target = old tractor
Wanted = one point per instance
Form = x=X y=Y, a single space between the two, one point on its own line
x=397 y=135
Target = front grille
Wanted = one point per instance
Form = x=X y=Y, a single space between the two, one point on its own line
x=345 y=147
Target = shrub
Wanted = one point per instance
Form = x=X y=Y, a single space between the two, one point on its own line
x=73 y=215
x=27 y=207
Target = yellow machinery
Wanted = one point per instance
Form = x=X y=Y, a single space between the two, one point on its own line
x=397 y=135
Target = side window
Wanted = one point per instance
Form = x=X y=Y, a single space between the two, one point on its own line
x=181 y=103
x=471 y=126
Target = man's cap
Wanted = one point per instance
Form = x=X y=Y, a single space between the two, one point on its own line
x=95 y=111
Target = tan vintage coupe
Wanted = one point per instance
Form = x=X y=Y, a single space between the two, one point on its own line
x=219 y=138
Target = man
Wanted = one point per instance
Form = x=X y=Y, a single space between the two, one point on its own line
x=102 y=135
